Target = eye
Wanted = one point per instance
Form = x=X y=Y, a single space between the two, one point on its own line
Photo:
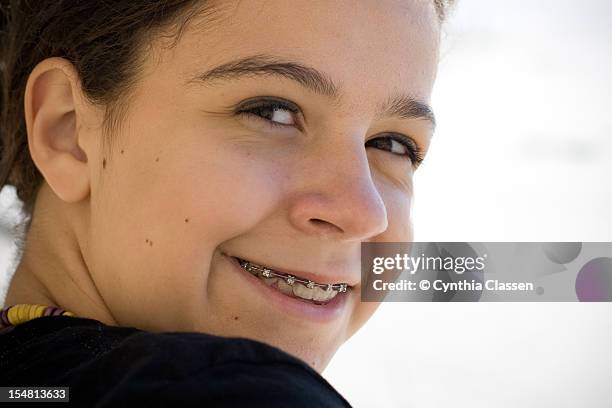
x=277 y=112
x=398 y=144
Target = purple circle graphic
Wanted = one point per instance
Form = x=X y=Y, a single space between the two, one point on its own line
x=594 y=281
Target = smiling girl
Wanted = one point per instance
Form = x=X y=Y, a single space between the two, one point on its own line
x=199 y=176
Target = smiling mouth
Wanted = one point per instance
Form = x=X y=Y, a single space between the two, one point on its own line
x=294 y=286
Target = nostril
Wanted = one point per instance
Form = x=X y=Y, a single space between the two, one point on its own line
x=328 y=226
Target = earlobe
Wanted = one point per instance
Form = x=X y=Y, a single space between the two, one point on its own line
x=52 y=123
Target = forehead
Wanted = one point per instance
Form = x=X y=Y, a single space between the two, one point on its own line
x=367 y=47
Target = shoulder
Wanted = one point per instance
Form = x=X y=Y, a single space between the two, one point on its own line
x=121 y=365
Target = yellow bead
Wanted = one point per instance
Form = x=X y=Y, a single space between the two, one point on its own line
x=31 y=312
x=20 y=313
x=23 y=314
x=12 y=315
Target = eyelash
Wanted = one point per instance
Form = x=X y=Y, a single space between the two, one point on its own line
x=250 y=109
x=414 y=153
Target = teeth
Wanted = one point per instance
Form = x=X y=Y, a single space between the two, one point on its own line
x=322 y=295
x=292 y=286
x=270 y=281
x=284 y=287
x=303 y=292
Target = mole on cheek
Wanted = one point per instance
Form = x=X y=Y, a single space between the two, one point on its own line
x=104 y=163
x=148 y=241
x=186 y=219
x=121 y=151
x=157 y=159
x=235 y=317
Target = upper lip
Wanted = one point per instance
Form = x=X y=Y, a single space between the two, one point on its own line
x=325 y=278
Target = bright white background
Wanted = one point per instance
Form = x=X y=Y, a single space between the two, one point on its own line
x=522 y=153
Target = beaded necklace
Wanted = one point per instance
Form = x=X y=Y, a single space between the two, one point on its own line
x=14 y=315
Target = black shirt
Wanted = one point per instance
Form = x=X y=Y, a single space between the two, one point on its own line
x=107 y=366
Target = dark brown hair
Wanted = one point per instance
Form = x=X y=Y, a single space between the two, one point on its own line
x=102 y=39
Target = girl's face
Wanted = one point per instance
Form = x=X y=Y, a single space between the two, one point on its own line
x=278 y=132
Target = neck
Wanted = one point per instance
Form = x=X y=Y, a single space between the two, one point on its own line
x=52 y=270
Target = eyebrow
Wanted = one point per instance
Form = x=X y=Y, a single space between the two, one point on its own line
x=403 y=106
x=407 y=107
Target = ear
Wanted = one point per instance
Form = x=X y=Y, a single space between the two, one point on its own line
x=52 y=108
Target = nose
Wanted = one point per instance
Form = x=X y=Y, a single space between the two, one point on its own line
x=338 y=198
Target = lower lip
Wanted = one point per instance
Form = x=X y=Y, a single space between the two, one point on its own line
x=293 y=306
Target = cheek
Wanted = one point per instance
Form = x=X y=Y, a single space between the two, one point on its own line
x=199 y=185
x=162 y=212
x=223 y=193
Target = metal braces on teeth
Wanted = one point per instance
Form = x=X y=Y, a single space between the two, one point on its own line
x=290 y=279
